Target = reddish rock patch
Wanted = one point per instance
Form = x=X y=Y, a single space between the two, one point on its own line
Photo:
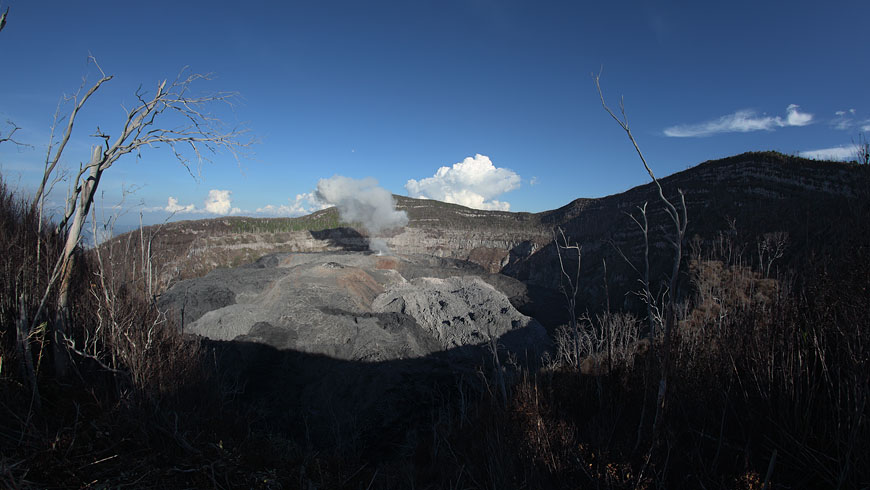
x=384 y=263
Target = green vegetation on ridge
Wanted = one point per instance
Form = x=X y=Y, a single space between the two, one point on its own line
x=317 y=221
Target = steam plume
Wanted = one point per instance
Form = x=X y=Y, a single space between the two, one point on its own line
x=363 y=201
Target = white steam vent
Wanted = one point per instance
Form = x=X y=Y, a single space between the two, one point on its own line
x=363 y=201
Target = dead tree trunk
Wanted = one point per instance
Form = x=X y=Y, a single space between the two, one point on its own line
x=570 y=286
x=82 y=199
x=679 y=219
x=193 y=129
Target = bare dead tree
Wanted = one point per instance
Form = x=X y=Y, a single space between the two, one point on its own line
x=653 y=312
x=53 y=154
x=147 y=256
x=607 y=324
x=170 y=117
x=569 y=284
x=22 y=343
x=645 y=292
x=862 y=150
x=771 y=247
x=679 y=220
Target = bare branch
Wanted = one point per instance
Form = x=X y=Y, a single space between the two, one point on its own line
x=51 y=162
x=8 y=138
x=573 y=285
x=623 y=123
x=3 y=18
x=57 y=177
x=201 y=132
x=679 y=218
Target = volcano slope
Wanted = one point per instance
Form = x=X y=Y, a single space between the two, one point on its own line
x=352 y=342
x=742 y=198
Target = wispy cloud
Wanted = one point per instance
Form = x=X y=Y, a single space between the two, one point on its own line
x=846 y=120
x=742 y=121
x=306 y=203
x=473 y=182
x=837 y=153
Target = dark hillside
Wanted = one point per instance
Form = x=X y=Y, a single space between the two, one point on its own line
x=747 y=197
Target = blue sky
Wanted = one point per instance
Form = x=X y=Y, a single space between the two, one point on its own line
x=397 y=90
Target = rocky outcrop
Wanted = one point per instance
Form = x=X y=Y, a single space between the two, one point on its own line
x=460 y=311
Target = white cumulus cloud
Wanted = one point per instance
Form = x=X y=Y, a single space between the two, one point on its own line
x=742 y=121
x=218 y=202
x=838 y=153
x=473 y=182
x=173 y=207
x=796 y=118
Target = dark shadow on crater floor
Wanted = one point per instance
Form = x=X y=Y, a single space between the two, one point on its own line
x=335 y=404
